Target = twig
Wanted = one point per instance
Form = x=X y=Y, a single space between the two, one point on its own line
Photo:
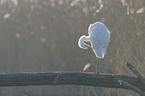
x=132 y=87
x=140 y=77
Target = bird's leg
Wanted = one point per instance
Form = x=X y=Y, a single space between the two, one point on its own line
x=97 y=68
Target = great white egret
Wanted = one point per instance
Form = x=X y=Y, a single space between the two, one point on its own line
x=99 y=37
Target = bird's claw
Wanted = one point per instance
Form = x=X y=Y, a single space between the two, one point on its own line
x=97 y=73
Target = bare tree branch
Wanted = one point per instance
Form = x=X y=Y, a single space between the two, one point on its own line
x=132 y=87
x=65 y=78
x=75 y=78
x=136 y=72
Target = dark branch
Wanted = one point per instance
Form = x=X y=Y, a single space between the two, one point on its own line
x=136 y=72
x=132 y=87
x=62 y=78
x=136 y=84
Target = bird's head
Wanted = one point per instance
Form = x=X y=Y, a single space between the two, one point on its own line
x=82 y=40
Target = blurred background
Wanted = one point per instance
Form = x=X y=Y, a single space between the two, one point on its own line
x=42 y=36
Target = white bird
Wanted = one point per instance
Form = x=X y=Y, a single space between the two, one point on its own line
x=99 y=37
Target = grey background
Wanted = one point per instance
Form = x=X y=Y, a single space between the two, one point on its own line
x=42 y=36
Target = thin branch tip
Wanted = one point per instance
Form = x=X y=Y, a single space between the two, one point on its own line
x=140 y=77
x=129 y=65
x=132 y=87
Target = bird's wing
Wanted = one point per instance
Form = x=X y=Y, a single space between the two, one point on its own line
x=99 y=37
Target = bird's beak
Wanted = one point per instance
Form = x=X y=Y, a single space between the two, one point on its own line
x=90 y=47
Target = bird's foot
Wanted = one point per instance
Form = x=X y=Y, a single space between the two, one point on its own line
x=97 y=73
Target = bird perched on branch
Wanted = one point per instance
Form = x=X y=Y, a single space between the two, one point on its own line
x=99 y=37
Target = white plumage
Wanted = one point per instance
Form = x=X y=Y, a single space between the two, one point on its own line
x=99 y=37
